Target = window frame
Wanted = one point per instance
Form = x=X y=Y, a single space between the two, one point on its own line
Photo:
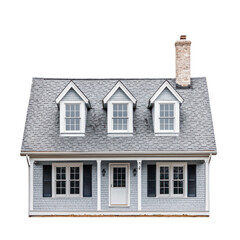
x=171 y=179
x=157 y=117
x=67 y=166
x=110 y=117
x=82 y=109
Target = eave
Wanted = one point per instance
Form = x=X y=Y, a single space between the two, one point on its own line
x=121 y=154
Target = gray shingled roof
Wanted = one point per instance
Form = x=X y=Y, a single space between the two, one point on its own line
x=42 y=123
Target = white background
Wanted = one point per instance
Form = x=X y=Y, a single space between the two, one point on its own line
x=99 y=39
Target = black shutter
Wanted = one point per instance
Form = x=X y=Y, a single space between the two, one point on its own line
x=192 y=181
x=87 y=180
x=151 y=180
x=47 y=181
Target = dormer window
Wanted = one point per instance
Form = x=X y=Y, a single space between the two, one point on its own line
x=73 y=108
x=165 y=105
x=120 y=116
x=72 y=116
x=119 y=103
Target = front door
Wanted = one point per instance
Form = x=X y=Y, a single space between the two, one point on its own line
x=119 y=185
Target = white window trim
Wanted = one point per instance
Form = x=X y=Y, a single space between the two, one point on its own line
x=110 y=117
x=171 y=166
x=67 y=165
x=157 y=118
x=63 y=130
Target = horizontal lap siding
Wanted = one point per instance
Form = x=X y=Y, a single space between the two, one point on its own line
x=41 y=203
x=175 y=204
x=119 y=95
x=71 y=96
x=105 y=188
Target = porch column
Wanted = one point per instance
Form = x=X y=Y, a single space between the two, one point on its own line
x=139 y=163
x=207 y=182
x=99 y=185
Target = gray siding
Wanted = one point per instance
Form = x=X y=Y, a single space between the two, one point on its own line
x=119 y=95
x=71 y=96
x=175 y=204
x=90 y=203
x=166 y=95
x=105 y=189
x=41 y=203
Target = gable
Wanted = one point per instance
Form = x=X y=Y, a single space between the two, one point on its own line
x=71 y=95
x=119 y=95
x=166 y=95
x=164 y=86
x=67 y=90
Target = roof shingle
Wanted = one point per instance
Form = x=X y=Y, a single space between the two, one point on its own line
x=42 y=123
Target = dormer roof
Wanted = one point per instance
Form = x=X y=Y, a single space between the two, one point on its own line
x=165 y=85
x=72 y=85
x=121 y=86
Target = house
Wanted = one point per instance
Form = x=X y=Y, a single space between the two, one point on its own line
x=120 y=146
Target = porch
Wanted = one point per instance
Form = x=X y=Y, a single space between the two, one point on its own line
x=125 y=174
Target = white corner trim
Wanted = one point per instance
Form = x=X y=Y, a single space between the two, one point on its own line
x=76 y=89
x=124 y=89
x=31 y=185
x=166 y=84
x=207 y=161
x=139 y=174
x=99 y=185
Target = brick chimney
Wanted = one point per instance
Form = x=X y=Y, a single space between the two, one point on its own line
x=183 y=62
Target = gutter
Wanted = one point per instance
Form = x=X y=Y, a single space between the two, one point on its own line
x=148 y=153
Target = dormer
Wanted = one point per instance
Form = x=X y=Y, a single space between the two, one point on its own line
x=165 y=105
x=119 y=103
x=73 y=106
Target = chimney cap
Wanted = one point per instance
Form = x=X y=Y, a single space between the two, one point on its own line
x=183 y=37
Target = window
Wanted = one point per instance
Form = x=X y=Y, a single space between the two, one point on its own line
x=178 y=180
x=120 y=117
x=164 y=180
x=72 y=118
x=171 y=179
x=60 y=180
x=119 y=177
x=67 y=179
x=166 y=117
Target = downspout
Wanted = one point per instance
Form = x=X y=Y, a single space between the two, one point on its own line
x=210 y=157
x=28 y=161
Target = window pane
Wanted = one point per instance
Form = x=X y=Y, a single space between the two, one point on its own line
x=178 y=180
x=114 y=106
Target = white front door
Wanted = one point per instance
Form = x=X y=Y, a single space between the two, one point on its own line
x=119 y=184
